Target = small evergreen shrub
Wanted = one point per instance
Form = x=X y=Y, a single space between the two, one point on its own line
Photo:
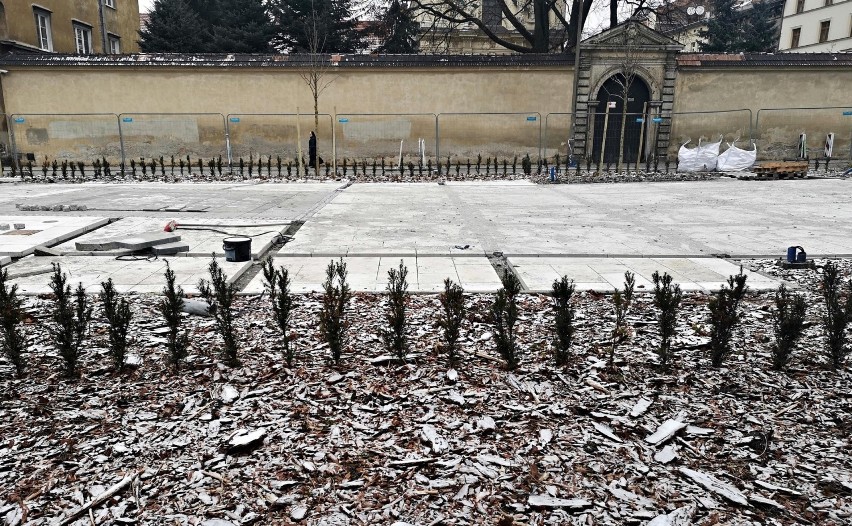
x=278 y=286
x=451 y=317
x=70 y=319
x=621 y=301
x=118 y=315
x=504 y=315
x=788 y=322
x=333 y=315
x=667 y=298
x=394 y=336
x=14 y=340
x=563 y=310
x=171 y=307
x=526 y=165
x=724 y=317
x=838 y=314
x=220 y=295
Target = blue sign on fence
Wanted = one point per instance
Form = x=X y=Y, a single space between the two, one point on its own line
x=19 y=119
x=657 y=119
x=847 y=113
x=235 y=119
x=640 y=119
x=532 y=118
x=343 y=121
x=127 y=119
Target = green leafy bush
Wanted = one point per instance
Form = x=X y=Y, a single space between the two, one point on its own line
x=504 y=315
x=333 y=315
x=394 y=336
x=171 y=308
x=563 y=310
x=14 y=340
x=278 y=287
x=838 y=313
x=667 y=298
x=71 y=316
x=220 y=295
x=118 y=315
x=724 y=316
x=788 y=322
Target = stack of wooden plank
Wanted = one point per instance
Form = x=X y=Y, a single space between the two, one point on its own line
x=778 y=170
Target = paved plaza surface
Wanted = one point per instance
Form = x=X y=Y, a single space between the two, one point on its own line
x=592 y=232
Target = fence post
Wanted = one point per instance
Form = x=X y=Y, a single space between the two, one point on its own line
x=227 y=124
x=121 y=141
x=438 y=143
x=10 y=122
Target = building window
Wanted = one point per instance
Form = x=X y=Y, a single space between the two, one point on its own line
x=829 y=2
x=794 y=40
x=800 y=6
x=823 y=30
x=110 y=3
x=114 y=45
x=83 y=39
x=43 y=30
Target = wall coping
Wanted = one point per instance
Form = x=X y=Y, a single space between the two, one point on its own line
x=772 y=60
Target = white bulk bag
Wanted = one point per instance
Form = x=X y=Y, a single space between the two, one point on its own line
x=700 y=159
x=736 y=159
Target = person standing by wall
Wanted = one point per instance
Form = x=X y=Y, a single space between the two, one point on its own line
x=312 y=152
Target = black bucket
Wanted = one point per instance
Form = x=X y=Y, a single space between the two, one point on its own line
x=237 y=248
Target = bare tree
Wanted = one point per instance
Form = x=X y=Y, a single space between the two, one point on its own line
x=317 y=74
x=628 y=66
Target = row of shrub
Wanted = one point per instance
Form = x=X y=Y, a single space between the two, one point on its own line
x=72 y=313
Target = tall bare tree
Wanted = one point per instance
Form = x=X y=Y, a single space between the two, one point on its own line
x=317 y=73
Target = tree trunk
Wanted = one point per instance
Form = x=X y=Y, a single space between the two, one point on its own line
x=541 y=33
x=613 y=13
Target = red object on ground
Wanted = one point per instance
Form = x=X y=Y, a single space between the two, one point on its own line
x=171 y=226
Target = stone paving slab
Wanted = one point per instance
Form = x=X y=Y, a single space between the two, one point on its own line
x=140 y=276
x=42 y=230
x=607 y=274
x=201 y=243
x=5 y=260
x=370 y=274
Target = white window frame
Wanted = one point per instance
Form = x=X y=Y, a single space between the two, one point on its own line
x=83 y=39
x=114 y=44
x=45 y=40
x=110 y=3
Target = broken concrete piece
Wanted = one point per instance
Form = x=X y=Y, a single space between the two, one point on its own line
x=606 y=431
x=546 y=501
x=169 y=249
x=5 y=260
x=665 y=432
x=766 y=503
x=42 y=250
x=711 y=483
x=137 y=242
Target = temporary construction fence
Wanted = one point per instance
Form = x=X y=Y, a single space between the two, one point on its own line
x=67 y=137
x=413 y=137
x=268 y=135
x=779 y=131
x=182 y=135
x=425 y=138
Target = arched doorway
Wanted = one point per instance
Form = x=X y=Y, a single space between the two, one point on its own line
x=611 y=96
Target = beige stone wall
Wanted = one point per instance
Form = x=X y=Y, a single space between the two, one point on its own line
x=245 y=91
x=121 y=21
x=777 y=132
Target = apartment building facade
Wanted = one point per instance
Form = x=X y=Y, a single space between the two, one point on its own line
x=810 y=26
x=82 y=27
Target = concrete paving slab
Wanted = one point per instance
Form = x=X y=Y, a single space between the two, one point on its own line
x=42 y=230
x=604 y=275
x=129 y=241
x=369 y=274
x=140 y=276
x=170 y=249
x=203 y=240
x=5 y=260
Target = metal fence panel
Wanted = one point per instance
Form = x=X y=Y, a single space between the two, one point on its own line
x=606 y=132
x=371 y=136
x=778 y=131
x=265 y=134
x=557 y=133
x=153 y=135
x=72 y=137
x=732 y=125
x=503 y=136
